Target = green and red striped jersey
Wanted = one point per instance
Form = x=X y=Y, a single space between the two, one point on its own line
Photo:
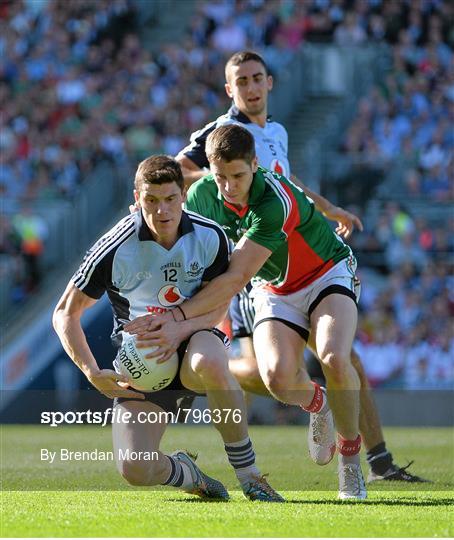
x=281 y=218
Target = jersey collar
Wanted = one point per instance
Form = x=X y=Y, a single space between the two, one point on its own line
x=239 y=116
x=144 y=233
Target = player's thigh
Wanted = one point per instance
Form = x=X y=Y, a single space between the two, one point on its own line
x=278 y=347
x=144 y=429
x=244 y=367
x=204 y=346
x=247 y=348
x=333 y=325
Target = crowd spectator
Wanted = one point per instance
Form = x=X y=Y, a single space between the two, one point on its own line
x=31 y=231
x=405 y=332
x=409 y=115
x=77 y=88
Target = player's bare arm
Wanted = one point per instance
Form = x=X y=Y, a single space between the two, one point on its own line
x=247 y=259
x=346 y=221
x=66 y=321
x=191 y=171
x=166 y=334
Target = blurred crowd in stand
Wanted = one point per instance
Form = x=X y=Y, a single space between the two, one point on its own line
x=406 y=335
x=77 y=88
x=410 y=114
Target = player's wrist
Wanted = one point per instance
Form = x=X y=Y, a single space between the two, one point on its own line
x=328 y=209
x=91 y=372
x=178 y=314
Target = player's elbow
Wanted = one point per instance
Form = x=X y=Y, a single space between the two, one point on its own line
x=57 y=318
x=60 y=319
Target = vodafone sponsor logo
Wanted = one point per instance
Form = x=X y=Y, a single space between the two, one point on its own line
x=157 y=310
x=170 y=295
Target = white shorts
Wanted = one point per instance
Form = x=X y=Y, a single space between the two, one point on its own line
x=295 y=309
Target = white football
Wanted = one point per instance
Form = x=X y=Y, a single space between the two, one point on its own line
x=145 y=374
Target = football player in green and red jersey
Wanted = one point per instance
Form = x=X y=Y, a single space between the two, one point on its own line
x=304 y=281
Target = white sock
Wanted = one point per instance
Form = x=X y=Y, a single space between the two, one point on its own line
x=180 y=475
x=241 y=456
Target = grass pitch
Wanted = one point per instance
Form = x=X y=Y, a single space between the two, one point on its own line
x=81 y=499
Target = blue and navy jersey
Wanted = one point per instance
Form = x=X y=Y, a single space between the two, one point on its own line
x=140 y=276
x=271 y=142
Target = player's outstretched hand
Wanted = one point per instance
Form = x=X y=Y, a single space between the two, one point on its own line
x=346 y=221
x=112 y=384
x=157 y=330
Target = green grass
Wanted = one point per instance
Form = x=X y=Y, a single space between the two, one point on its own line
x=91 y=499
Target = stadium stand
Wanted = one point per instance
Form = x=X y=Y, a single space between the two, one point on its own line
x=92 y=90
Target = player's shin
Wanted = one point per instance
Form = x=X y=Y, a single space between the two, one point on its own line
x=238 y=446
x=230 y=419
x=343 y=395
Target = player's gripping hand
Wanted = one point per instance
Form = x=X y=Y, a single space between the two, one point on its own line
x=167 y=338
x=346 y=221
x=147 y=323
x=159 y=331
x=112 y=384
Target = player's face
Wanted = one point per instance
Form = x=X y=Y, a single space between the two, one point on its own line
x=234 y=179
x=161 y=206
x=248 y=85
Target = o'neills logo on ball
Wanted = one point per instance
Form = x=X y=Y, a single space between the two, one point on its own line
x=135 y=368
x=170 y=295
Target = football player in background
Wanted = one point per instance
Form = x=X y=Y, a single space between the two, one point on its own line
x=248 y=84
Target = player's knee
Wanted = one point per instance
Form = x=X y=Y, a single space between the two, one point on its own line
x=137 y=472
x=277 y=381
x=336 y=366
x=210 y=368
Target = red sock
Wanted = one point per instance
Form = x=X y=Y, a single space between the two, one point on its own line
x=318 y=400
x=348 y=448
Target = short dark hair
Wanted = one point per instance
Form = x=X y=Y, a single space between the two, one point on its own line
x=158 y=170
x=244 y=56
x=230 y=142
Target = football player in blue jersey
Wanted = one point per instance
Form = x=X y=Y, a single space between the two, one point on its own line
x=156 y=249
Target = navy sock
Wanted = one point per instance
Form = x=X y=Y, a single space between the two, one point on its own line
x=176 y=474
x=379 y=459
